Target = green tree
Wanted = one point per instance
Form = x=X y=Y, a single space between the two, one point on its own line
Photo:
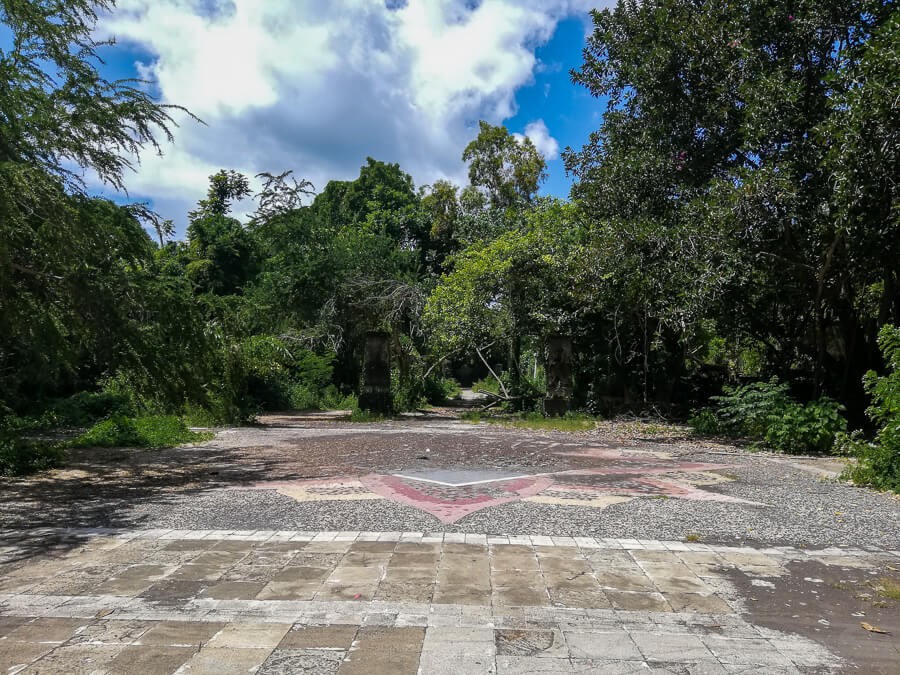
x=509 y=170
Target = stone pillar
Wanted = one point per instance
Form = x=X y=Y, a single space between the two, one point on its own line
x=559 y=375
x=376 y=389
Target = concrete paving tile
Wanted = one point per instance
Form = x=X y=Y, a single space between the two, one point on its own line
x=224 y=661
x=365 y=559
x=233 y=546
x=249 y=636
x=624 y=581
x=318 y=637
x=110 y=632
x=423 y=560
x=515 y=562
x=47 y=629
x=671 y=647
x=517 y=577
x=290 y=661
x=75 y=660
x=355 y=575
x=405 y=591
x=460 y=594
x=612 y=667
x=751 y=652
x=610 y=646
x=173 y=592
x=693 y=602
x=156 y=660
x=526 y=665
x=691 y=584
x=418 y=547
x=373 y=546
x=531 y=643
x=342 y=592
x=218 y=558
x=573 y=595
x=289 y=590
x=180 y=633
x=436 y=637
x=189 y=545
x=637 y=601
x=414 y=574
x=10 y=623
x=519 y=596
x=468 y=549
x=328 y=547
x=475 y=578
x=233 y=590
x=242 y=572
x=302 y=573
x=15 y=655
x=656 y=556
x=198 y=572
x=365 y=662
x=454 y=664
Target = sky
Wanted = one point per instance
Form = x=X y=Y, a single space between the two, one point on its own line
x=316 y=86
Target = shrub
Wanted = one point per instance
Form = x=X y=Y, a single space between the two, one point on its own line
x=439 y=389
x=804 y=429
x=19 y=456
x=746 y=410
x=878 y=461
x=766 y=411
x=359 y=415
x=143 y=432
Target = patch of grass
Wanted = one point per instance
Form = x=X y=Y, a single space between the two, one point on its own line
x=692 y=537
x=143 y=432
x=359 y=415
x=19 y=457
x=889 y=588
x=570 y=422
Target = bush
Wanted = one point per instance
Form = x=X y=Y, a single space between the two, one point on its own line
x=19 y=457
x=142 y=432
x=765 y=411
x=439 y=389
x=805 y=429
x=878 y=461
x=747 y=410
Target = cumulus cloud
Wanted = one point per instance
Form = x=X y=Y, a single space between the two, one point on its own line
x=318 y=86
x=538 y=133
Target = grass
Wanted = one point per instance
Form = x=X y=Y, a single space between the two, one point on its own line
x=140 y=432
x=359 y=415
x=571 y=422
x=693 y=537
x=889 y=588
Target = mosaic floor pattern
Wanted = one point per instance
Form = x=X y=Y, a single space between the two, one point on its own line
x=451 y=494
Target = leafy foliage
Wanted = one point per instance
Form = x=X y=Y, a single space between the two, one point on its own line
x=140 y=432
x=878 y=461
x=766 y=411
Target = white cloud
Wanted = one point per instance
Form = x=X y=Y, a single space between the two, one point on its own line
x=539 y=134
x=318 y=86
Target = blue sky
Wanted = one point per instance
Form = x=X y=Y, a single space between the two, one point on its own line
x=295 y=84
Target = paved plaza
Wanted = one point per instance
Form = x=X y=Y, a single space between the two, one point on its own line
x=433 y=546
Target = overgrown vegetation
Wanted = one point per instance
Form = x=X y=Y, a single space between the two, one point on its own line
x=878 y=460
x=765 y=411
x=733 y=219
x=569 y=422
x=142 y=432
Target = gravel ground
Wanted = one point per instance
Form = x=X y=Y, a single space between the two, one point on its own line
x=185 y=488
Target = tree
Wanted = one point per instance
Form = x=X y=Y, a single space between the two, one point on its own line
x=508 y=169
x=717 y=112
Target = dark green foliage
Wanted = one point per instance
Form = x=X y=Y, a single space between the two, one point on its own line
x=878 y=461
x=140 y=432
x=765 y=411
x=19 y=456
x=806 y=429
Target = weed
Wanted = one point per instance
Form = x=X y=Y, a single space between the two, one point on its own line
x=889 y=588
x=570 y=422
x=19 y=456
x=693 y=537
x=359 y=415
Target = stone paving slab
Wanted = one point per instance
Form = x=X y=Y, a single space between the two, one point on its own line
x=348 y=602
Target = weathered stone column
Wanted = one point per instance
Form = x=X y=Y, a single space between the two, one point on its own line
x=559 y=375
x=376 y=389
